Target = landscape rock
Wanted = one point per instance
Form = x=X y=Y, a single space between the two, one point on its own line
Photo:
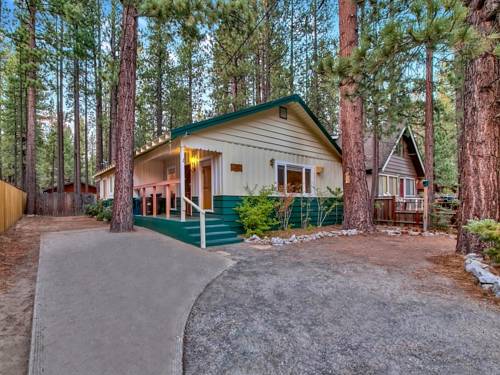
x=349 y=232
x=413 y=233
x=427 y=234
x=253 y=238
x=480 y=271
x=496 y=288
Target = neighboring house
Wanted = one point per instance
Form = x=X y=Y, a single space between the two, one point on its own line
x=69 y=187
x=400 y=168
x=213 y=162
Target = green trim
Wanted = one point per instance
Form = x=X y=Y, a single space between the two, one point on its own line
x=197 y=126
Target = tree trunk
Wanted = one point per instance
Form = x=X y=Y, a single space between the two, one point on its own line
x=86 y=125
x=375 y=162
x=60 y=123
x=76 y=136
x=315 y=81
x=479 y=177
x=98 y=99
x=113 y=91
x=429 y=127
x=122 y=220
x=292 y=72
x=357 y=212
x=31 y=117
x=190 y=85
x=159 y=92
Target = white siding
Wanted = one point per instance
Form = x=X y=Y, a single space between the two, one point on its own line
x=254 y=141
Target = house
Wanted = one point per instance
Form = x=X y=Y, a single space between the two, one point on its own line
x=400 y=168
x=69 y=187
x=210 y=165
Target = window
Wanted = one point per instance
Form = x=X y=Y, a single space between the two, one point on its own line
x=387 y=185
x=294 y=178
x=409 y=187
x=111 y=183
x=283 y=113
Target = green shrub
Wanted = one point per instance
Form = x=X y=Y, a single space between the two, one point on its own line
x=107 y=213
x=102 y=210
x=92 y=209
x=256 y=212
x=488 y=231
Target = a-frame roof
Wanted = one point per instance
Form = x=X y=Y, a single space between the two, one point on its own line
x=387 y=146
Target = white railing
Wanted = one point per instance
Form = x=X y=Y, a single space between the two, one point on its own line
x=409 y=204
x=203 y=241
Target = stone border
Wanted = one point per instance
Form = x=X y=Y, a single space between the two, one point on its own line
x=294 y=238
x=489 y=281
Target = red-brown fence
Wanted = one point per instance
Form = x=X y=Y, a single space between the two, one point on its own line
x=54 y=204
x=398 y=211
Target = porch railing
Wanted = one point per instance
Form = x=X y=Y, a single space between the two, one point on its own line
x=203 y=242
x=398 y=211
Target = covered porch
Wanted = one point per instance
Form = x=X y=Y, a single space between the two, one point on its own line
x=174 y=190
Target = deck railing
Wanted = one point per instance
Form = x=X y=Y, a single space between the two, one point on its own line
x=203 y=243
x=399 y=211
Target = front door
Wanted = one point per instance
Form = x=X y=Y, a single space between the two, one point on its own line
x=206 y=175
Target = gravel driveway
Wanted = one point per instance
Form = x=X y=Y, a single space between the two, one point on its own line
x=340 y=306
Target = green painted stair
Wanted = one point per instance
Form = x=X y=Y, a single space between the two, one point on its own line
x=217 y=232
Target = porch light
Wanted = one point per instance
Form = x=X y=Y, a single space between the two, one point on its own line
x=194 y=161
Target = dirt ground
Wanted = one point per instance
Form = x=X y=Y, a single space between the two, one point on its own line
x=367 y=304
x=19 y=248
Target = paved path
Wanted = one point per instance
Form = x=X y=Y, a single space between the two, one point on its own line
x=115 y=303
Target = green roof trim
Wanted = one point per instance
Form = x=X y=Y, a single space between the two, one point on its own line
x=197 y=126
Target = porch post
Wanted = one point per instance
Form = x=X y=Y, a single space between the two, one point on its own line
x=143 y=201
x=200 y=185
x=154 y=200
x=182 y=184
x=168 y=202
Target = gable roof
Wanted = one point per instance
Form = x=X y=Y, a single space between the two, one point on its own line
x=201 y=125
x=387 y=146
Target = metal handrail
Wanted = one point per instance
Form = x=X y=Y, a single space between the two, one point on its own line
x=203 y=242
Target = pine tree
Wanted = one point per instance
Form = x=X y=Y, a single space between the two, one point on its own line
x=357 y=213
x=479 y=178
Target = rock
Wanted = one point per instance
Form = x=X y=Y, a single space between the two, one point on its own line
x=496 y=288
x=393 y=232
x=277 y=241
x=293 y=238
x=427 y=234
x=481 y=273
x=253 y=238
x=413 y=233
x=349 y=232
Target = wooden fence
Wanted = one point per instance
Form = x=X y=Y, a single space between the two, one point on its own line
x=53 y=204
x=12 y=205
x=397 y=211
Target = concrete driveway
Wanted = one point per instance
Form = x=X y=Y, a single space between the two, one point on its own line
x=115 y=303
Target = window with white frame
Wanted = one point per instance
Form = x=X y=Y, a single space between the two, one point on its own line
x=409 y=187
x=293 y=178
x=111 y=184
x=387 y=185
